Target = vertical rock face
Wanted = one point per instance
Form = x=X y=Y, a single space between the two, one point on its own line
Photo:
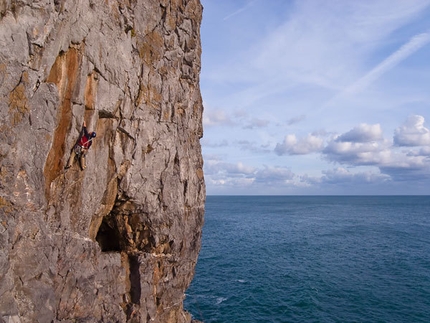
x=117 y=242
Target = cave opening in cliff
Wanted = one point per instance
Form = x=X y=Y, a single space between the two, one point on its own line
x=108 y=236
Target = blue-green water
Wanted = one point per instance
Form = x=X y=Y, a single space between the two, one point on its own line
x=313 y=259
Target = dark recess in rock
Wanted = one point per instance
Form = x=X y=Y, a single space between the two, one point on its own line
x=135 y=291
x=108 y=236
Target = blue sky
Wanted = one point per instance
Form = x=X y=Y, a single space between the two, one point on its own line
x=316 y=97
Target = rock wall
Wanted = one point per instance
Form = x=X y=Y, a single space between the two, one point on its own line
x=117 y=242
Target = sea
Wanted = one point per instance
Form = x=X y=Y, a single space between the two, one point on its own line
x=313 y=259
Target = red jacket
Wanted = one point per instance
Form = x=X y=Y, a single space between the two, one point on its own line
x=86 y=140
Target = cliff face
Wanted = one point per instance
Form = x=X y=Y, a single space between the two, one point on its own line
x=117 y=242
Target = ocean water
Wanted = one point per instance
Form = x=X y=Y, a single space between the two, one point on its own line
x=313 y=259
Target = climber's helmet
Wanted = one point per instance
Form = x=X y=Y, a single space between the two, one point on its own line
x=93 y=134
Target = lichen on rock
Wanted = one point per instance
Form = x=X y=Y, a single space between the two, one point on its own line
x=119 y=241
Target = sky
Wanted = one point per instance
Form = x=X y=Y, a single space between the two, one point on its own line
x=315 y=97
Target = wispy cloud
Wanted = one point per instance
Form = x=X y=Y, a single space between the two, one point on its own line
x=253 y=146
x=296 y=119
x=316 y=45
x=216 y=117
x=206 y=142
x=256 y=123
x=413 y=45
x=240 y=10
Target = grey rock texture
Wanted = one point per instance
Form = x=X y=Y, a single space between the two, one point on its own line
x=119 y=241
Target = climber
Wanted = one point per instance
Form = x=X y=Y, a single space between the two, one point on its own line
x=80 y=149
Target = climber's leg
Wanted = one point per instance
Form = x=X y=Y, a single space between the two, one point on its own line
x=83 y=160
x=71 y=159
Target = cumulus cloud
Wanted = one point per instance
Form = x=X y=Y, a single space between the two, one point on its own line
x=369 y=153
x=362 y=145
x=362 y=133
x=412 y=132
x=301 y=146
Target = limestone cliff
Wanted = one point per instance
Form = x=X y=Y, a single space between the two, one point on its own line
x=117 y=242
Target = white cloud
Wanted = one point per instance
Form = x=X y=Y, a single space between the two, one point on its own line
x=363 y=145
x=302 y=146
x=362 y=133
x=342 y=175
x=412 y=132
x=357 y=153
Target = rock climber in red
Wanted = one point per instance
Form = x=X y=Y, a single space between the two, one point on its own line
x=80 y=149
